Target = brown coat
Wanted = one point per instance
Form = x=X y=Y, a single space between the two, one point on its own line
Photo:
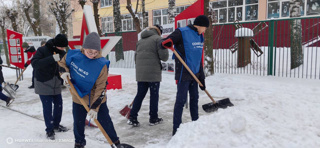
x=97 y=88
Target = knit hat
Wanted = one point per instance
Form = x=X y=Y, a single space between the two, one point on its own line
x=201 y=20
x=25 y=45
x=43 y=42
x=92 y=41
x=60 y=40
x=159 y=27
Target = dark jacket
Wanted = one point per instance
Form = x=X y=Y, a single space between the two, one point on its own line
x=47 y=78
x=1 y=75
x=177 y=39
x=149 y=55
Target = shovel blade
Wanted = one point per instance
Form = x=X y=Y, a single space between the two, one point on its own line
x=124 y=112
x=212 y=107
x=123 y=145
x=14 y=87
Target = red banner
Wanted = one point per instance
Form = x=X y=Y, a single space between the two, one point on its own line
x=16 y=54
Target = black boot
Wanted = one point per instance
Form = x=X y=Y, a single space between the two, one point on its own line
x=78 y=145
x=9 y=101
x=133 y=121
x=155 y=121
x=61 y=128
x=50 y=135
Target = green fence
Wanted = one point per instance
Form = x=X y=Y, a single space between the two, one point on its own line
x=284 y=48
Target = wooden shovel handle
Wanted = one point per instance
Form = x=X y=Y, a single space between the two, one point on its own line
x=87 y=108
x=189 y=70
x=20 y=75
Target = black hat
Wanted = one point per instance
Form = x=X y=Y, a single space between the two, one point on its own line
x=159 y=27
x=60 y=40
x=201 y=20
x=25 y=45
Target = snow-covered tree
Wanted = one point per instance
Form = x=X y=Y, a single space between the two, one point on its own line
x=35 y=20
x=12 y=14
x=144 y=14
x=82 y=3
x=134 y=15
x=208 y=43
x=296 y=34
x=96 y=14
x=3 y=32
x=62 y=11
x=117 y=24
x=171 y=11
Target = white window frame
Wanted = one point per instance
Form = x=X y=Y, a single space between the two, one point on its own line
x=162 y=16
x=128 y=18
x=280 y=14
x=105 y=22
x=104 y=3
x=227 y=7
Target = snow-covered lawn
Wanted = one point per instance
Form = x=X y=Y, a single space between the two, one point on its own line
x=268 y=112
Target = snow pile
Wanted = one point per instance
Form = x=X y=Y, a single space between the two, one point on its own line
x=244 y=32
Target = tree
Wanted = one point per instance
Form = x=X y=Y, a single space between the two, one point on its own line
x=117 y=24
x=34 y=22
x=144 y=14
x=12 y=15
x=134 y=15
x=61 y=10
x=208 y=43
x=82 y=2
x=3 y=33
x=171 y=11
x=296 y=34
x=96 y=14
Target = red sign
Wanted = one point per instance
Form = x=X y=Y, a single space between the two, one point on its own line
x=187 y=16
x=16 y=54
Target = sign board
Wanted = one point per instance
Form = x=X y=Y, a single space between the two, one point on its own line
x=16 y=55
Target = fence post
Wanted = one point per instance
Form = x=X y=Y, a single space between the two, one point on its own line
x=270 y=47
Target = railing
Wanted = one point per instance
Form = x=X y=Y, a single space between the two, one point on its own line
x=265 y=48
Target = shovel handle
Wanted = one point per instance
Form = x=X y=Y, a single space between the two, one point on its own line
x=186 y=66
x=87 y=108
x=20 y=76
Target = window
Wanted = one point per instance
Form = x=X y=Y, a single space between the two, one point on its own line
x=313 y=7
x=105 y=3
x=280 y=8
x=251 y=10
x=160 y=17
x=128 y=24
x=107 y=24
x=231 y=10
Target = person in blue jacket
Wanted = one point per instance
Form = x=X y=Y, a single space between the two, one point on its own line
x=188 y=42
x=88 y=72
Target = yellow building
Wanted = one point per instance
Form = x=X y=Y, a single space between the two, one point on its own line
x=226 y=11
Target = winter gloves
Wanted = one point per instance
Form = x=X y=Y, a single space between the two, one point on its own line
x=65 y=77
x=203 y=83
x=56 y=57
x=26 y=65
x=93 y=114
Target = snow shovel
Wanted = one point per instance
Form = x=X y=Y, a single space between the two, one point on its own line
x=126 y=110
x=123 y=145
x=209 y=107
x=14 y=86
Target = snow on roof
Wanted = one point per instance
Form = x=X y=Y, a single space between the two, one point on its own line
x=244 y=32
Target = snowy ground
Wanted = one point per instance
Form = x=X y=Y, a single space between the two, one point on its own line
x=268 y=112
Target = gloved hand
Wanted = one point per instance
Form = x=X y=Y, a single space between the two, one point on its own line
x=26 y=65
x=56 y=57
x=203 y=83
x=65 y=77
x=93 y=114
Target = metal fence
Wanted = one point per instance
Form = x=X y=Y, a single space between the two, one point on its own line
x=264 y=48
